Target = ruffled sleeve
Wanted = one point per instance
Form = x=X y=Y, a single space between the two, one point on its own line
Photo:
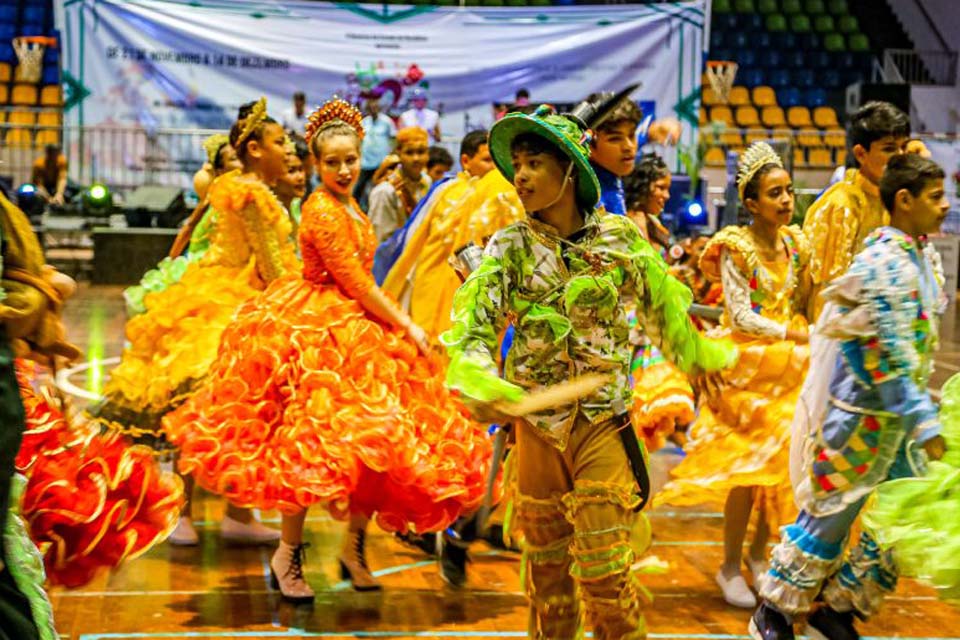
x=327 y=244
x=740 y=312
x=662 y=304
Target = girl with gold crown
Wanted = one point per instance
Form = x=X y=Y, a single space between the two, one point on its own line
x=327 y=393
x=173 y=344
x=739 y=444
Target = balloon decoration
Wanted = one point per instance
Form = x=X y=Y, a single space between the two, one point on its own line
x=369 y=84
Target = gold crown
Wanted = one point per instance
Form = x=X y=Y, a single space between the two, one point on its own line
x=757 y=156
x=213 y=144
x=257 y=115
x=334 y=111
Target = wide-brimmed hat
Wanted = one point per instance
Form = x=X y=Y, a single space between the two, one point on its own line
x=565 y=133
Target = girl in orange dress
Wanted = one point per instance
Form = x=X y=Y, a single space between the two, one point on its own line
x=174 y=343
x=325 y=392
x=738 y=451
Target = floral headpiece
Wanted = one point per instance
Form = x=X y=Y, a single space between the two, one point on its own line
x=256 y=116
x=334 y=111
x=213 y=144
x=757 y=156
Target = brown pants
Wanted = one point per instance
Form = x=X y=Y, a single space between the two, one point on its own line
x=575 y=510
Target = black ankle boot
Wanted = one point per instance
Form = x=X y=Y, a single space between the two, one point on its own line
x=828 y=624
x=769 y=624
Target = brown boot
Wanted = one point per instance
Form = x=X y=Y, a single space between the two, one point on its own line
x=286 y=573
x=353 y=562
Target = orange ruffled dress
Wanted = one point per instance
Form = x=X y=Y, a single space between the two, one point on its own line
x=313 y=401
x=741 y=436
x=92 y=501
x=172 y=345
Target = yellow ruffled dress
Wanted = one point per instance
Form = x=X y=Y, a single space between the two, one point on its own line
x=469 y=210
x=173 y=344
x=741 y=436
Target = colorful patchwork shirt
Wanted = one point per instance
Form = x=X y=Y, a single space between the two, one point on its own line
x=883 y=316
x=567 y=299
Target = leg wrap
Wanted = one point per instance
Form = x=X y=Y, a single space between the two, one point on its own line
x=799 y=566
x=865 y=578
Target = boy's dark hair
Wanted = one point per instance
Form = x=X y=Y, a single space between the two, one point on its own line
x=625 y=111
x=472 y=142
x=300 y=146
x=907 y=171
x=522 y=93
x=533 y=144
x=636 y=186
x=876 y=120
x=439 y=155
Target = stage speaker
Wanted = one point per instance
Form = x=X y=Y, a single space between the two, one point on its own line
x=862 y=93
x=122 y=256
x=155 y=205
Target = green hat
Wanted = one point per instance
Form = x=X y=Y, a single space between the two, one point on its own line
x=565 y=133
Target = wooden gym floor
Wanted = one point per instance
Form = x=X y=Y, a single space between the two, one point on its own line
x=220 y=592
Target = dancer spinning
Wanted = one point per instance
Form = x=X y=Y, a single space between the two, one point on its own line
x=174 y=343
x=873 y=419
x=326 y=393
x=563 y=276
x=739 y=445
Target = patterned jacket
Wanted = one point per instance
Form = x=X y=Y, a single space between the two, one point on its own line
x=567 y=299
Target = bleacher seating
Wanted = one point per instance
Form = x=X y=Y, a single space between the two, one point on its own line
x=29 y=105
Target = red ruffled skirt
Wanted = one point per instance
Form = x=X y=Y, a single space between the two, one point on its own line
x=312 y=401
x=91 y=501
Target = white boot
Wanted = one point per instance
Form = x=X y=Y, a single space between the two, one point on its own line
x=252 y=533
x=286 y=573
x=735 y=591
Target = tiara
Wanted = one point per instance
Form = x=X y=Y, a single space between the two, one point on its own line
x=757 y=155
x=213 y=144
x=257 y=115
x=334 y=111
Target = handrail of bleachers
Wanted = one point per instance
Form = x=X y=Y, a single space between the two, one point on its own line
x=910 y=66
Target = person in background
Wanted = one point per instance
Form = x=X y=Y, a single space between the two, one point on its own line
x=419 y=115
x=439 y=161
x=49 y=175
x=522 y=98
x=309 y=165
x=393 y=200
x=294 y=119
x=377 y=144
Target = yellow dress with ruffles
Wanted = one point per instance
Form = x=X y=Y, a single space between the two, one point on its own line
x=741 y=436
x=470 y=210
x=173 y=344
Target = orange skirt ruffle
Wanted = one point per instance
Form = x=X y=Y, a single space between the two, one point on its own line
x=92 y=501
x=174 y=343
x=662 y=398
x=313 y=402
x=741 y=436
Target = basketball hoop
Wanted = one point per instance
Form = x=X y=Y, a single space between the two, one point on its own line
x=29 y=51
x=720 y=74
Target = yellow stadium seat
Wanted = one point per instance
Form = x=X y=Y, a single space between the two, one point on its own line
x=709 y=97
x=799 y=117
x=18 y=138
x=50 y=96
x=3 y=116
x=49 y=119
x=756 y=135
x=47 y=136
x=773 y=117
x=6 y=71
x=821 y=157
x=23 y=117
x=764 y=97
x=747 y=117
x=703 y=117
x=840 y=157
x=4 y=94
x=722 y=114
x=731 y=139
x=836 y=138
x=809 y=137
x=799 y=157
x=715 y=157
x=825 y=118
x=739 y=96
x=25 y=94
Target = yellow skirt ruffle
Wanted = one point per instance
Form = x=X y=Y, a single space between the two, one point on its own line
x=741 y=436
x=172 y=345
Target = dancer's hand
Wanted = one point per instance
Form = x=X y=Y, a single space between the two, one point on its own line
x=935 y=447
x=486 y=412
x=420 y=338
x=797 y=335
